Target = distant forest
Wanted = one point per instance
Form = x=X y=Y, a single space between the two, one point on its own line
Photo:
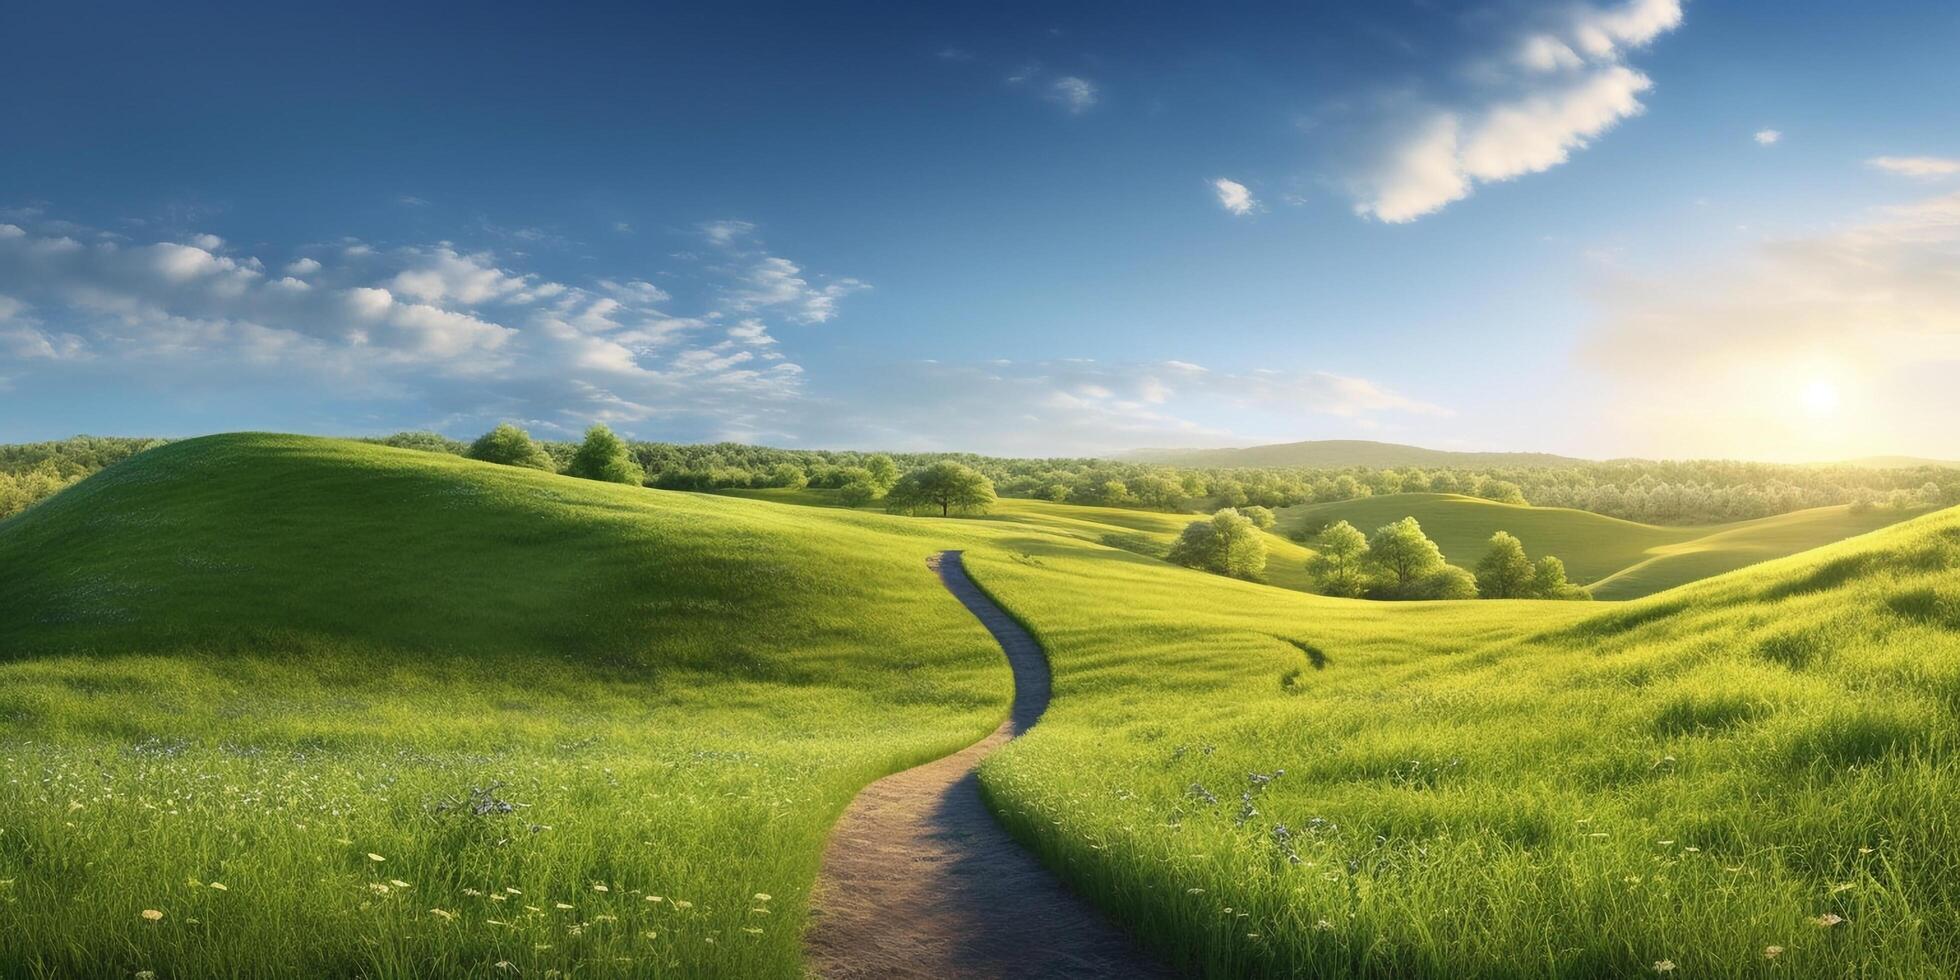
x=1668 y=492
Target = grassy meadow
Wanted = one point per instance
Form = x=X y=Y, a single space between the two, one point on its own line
x=1751 y=776
x=1619 y=559
x=337 y=709
x=274 y=705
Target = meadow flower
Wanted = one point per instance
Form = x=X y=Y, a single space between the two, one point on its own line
x=378 y=888
x=152 y=915
x=1663 y=966
x=561 y=905
x=1772 y=952
x=600 y=888
x=1828 y=919
x=444 y=914
x=375 y=857
x=761 y=897
x=219 y=885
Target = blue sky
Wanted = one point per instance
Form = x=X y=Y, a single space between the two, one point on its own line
x=1639 y=227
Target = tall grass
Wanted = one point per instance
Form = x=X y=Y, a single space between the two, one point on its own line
x=1754 y=776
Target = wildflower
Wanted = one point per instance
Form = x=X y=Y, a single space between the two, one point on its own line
x=220 y=886
x=650 y=934
x=681 y=904
x=1323 y=925
x=146 y=975
x=378 y=888
x=1663 y=966
x=761 y=897
x=1828 y=919
x=375 y=857
x=473 y=893
x=398 y=883
x=600 y=888
x=752 y=931
x=506 y=966
x=512 y=891
x=1772 y=952
x=561 y=905
x=152 y=915
x=1194 y=891
x=74 y=805
x=1864 y=850
x=653 y=898
x=444 y=914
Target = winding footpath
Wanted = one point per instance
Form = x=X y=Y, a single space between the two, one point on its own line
x=918 y=879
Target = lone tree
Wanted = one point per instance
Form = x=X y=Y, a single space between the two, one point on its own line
x=603 y=457
x=1338 y=554
x=511 y=446
x=1226 y=543
x=947 y=486
x=1404 y=555
x=1504 y=572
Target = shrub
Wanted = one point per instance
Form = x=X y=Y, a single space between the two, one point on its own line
x=603 y=457
x=511 y=446
x=1261 y=517
x=1227 y=543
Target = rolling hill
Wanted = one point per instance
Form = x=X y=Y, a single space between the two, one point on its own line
x=333 y=708
x=1619 y=559
x=1334 y=453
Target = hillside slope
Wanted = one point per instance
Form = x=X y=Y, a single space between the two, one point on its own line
x=1620 y=559
x=1748 y=776
x=255 y=660
x=1336 y=453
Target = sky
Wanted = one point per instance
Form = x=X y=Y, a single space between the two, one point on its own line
x=1648 y=227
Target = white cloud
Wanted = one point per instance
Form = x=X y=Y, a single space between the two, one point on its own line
x=778 y=282
x=1564 y=85
x=463 y=333
x=1233 y=196
x=725 y=232
x=209 y=243
x=1077 y=95
x=1923 y=168
x=1769 y=137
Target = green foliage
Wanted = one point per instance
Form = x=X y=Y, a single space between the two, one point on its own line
x=428 y=442
x=511 y=446
x=1227 y=543
x=882 y=472
x=946 y=488
x=602 y=456
x=1504 y=572
x=1339 y=553
x=32 y=472
x=1403 y=556
x=1548 y=581
x=1261 y=517
x=788 y=476
x=858 y=493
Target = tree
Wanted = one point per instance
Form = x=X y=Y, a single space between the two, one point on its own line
x=883 y=471
x=947 y=486
x=857 y=493
x=1261 y=517
x=1404 y=555
x=1446 y=582
x=1548 y=581
x=511 y=446
x=1338 y=552
x=1504 y=572
x=1226 y=543
x=788 y=476
x=603 y=457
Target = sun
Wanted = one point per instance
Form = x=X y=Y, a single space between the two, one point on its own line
x=1820 y=399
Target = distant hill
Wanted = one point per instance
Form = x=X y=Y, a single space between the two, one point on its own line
x=1900 y=462
x=1340 y=452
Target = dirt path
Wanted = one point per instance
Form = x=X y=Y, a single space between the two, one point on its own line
x=919 y=881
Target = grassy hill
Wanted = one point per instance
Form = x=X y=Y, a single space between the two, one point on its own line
x=1334 y=453
x=419 y=716
x=1749 y=776
x=255 y=661
x=1144 y=532
x=1620 y=559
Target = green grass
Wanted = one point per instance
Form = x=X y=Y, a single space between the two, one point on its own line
x=255 y=660
x=1508 y=788
x=1144 y=532
x=1620 y=559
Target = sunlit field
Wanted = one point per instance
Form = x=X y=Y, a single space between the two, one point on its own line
x=1750 y=776
x=280 y=705
x=274 y=705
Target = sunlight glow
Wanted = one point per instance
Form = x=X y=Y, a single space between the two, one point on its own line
x=1820 y=399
